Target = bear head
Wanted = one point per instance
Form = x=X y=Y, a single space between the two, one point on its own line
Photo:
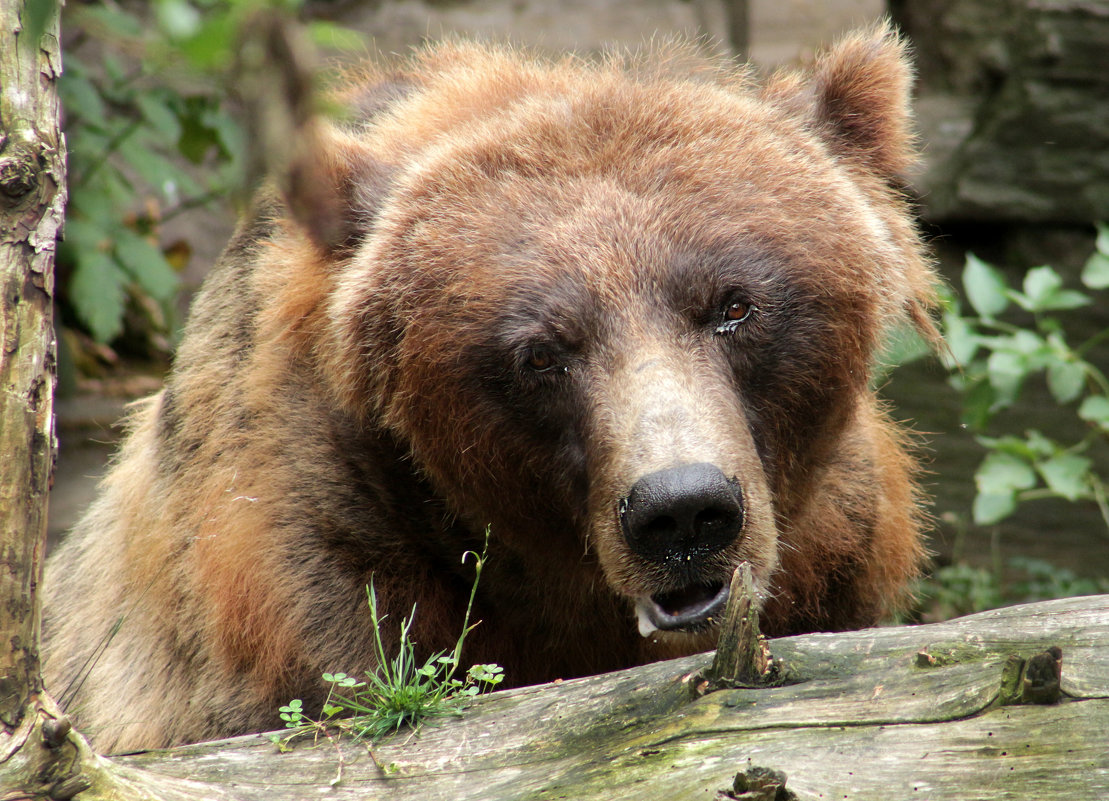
x=623 y=313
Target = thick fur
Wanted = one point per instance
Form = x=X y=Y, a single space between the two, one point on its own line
x=359 y=394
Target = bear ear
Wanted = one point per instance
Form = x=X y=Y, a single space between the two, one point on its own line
x=330 y=182
x=332 y=187
x=860 y=90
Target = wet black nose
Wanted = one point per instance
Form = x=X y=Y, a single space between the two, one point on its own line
x=681 y=513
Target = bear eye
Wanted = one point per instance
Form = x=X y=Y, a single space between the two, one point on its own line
x=542 y=360
x=735 y=314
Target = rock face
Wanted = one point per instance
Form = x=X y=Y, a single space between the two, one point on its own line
x=1015 y=108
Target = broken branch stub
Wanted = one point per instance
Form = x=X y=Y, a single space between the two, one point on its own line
x=742 y=657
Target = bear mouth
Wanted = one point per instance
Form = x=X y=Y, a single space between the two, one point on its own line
x=686 y=609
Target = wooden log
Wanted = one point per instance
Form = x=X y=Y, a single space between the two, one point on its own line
x=887 y=713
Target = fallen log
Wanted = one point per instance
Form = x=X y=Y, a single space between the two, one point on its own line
x=972 y=708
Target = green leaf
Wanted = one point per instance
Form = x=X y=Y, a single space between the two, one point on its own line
x=1095 y=409
x=1038 y=444
x=160 y=116
x=960 y=337
x=1066 y=380
x=198 y=136
x=212 y=47
x=84 y=236
x=160 y=172
x=110 y=18
x=1029 y=345
x=985 y=287
x=229 y=134
x=1102 y=243
x=1034 y=446
x=1095 y=274
x=1065 y=299
x=992 y=508
x=1002 y=473
x=1040 y=283
x=903 y=344
x=1043 y=290
x=177 y=18
x=116 y=71
x=147 y=265
x=81 y=100
x=105 y=196
x=1067 y=474
x=96 y=290
x=1006 y=371
x=154 y=168
x=979 y=401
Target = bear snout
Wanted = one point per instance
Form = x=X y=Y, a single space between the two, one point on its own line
x=682 y=515
x=677 y=519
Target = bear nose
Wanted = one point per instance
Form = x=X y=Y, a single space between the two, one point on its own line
x=682 y=513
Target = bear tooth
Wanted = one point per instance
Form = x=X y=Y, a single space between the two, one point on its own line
x=646 y=626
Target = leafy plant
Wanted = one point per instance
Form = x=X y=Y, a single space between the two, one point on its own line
x=1001 y=337
x=402 y=691
x=994 y=352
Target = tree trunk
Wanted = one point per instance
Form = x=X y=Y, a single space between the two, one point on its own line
x=39 y=756
x=32 y=197
x=738 y=16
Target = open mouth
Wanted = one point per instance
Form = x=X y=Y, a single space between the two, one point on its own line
x=686 y=609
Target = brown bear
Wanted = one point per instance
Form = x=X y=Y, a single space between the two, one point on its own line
x=623 y=313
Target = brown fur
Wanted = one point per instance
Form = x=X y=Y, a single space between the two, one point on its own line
x=352 y=398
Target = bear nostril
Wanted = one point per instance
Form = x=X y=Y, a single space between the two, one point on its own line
x=661 y=526
x=681 y=513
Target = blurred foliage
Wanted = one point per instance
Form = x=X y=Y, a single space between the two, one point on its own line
x=961 y=589
x=151 y=132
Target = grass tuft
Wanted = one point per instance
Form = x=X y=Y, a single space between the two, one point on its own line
x=402 y=692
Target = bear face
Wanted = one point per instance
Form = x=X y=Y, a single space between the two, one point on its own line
x=633 y=349
x=623 y=314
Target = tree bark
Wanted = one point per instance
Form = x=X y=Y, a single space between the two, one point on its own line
x=32 y=198
x=39 y=756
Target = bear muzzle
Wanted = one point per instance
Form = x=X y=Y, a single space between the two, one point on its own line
x=677 y=519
